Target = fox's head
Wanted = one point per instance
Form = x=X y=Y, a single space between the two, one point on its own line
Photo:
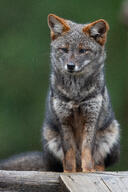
x=77 y=48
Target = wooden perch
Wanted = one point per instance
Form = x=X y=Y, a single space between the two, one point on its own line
x=29 y=181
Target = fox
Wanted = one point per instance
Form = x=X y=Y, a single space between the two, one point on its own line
x=80 y=132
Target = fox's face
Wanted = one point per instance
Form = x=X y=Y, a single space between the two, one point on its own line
x=77 y=48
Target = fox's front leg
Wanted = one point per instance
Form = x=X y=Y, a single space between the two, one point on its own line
x=69 y=148
x=91 y=110
x=63 y=111
x=86 y=152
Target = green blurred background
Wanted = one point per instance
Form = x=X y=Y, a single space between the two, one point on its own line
x=24 y=67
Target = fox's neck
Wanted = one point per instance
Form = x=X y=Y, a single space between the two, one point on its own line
x=77 y=87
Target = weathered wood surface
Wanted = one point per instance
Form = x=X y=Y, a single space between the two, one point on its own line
x=13 y=181
x=29 y=181
x=117 y=182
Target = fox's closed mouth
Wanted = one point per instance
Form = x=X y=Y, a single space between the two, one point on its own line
x=71 y=71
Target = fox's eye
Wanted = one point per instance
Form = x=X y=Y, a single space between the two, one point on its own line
x=83 y=50
x=64 y=49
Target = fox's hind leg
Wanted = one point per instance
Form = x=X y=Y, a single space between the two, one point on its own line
x=52 y=148
x=107 y=149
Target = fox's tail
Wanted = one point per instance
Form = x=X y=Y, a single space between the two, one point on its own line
x=29 y=161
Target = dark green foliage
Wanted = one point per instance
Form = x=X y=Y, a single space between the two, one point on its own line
x=24 y=67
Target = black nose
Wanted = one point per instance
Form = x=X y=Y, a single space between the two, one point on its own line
x=70 y=66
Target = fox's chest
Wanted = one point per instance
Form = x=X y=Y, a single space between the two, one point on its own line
x=70 y=113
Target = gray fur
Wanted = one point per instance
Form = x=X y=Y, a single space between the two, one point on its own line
x=29 y=161
x=81 y=93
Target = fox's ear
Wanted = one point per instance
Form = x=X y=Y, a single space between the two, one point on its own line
x=98 y=30
x=57 y=25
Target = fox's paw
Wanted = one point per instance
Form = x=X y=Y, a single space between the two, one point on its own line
x=99 y=167
x=88 y=170
x=70 y=171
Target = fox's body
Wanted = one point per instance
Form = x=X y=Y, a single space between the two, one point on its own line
x=80 y=132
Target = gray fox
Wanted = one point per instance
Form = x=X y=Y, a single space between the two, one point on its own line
x=80 y=132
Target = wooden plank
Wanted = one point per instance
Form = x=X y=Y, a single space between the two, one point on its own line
x=82 y=183
x=115 y=184
x=125 y=182
x=29 y=181
x=95 y=182
x=106 y=173
x=116 y=173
